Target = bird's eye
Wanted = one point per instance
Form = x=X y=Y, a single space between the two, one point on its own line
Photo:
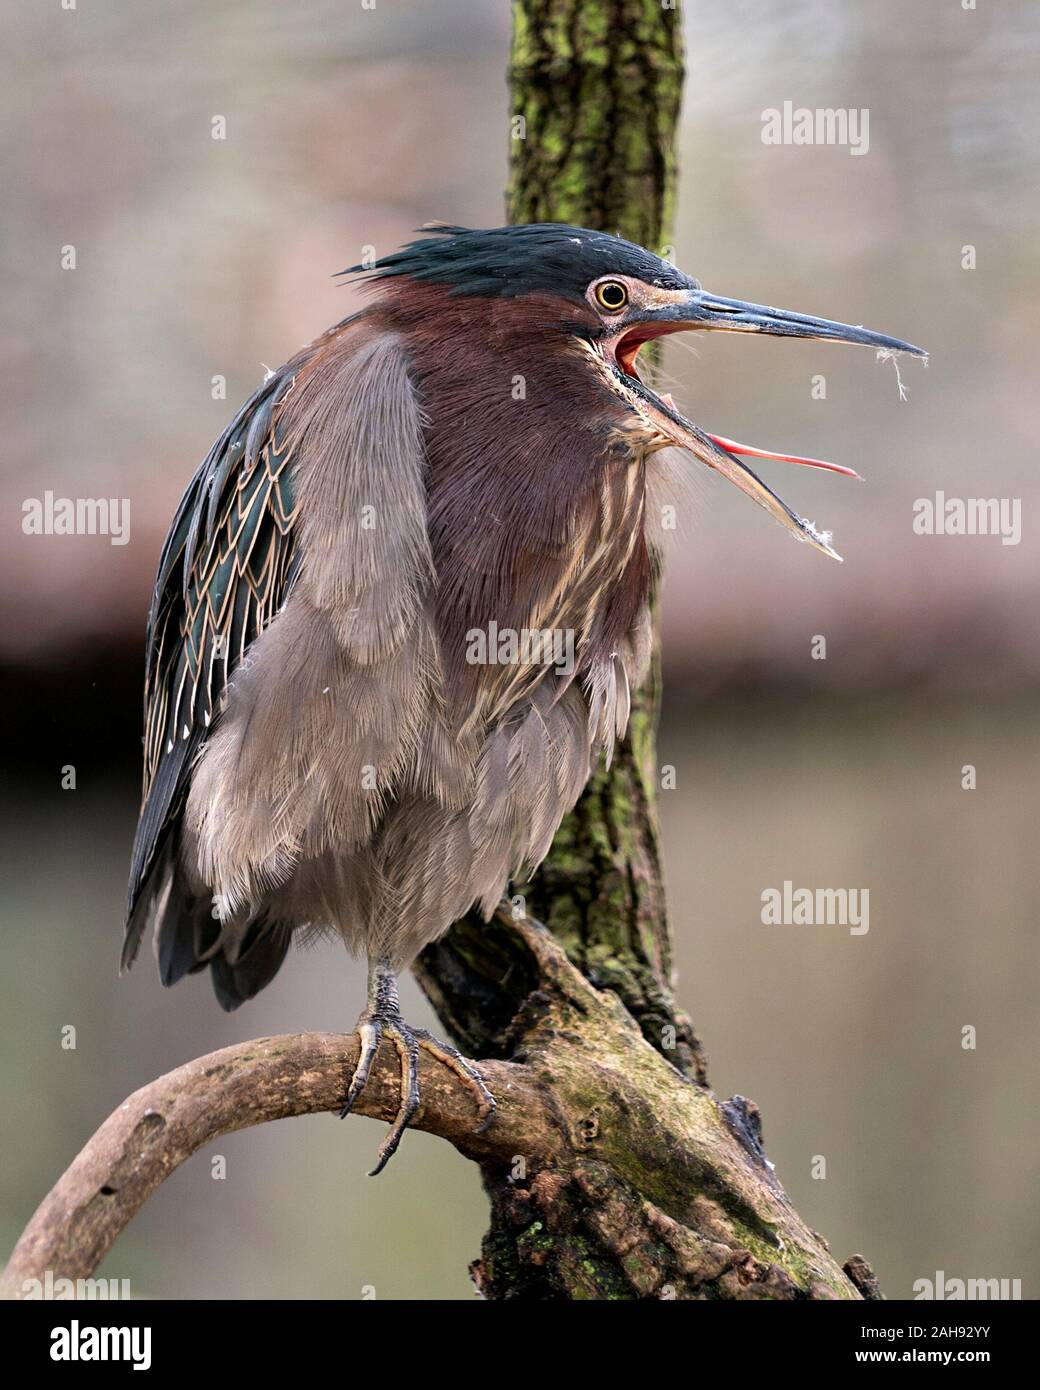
x=611 y=295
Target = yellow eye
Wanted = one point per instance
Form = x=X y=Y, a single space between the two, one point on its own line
x=611 y=295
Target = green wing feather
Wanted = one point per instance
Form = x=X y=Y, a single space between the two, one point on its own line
x=226 y=568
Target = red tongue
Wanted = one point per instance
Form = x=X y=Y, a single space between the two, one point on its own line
x=766 y=453
x=735 y=448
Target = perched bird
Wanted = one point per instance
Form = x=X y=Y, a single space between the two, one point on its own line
x=348 y=724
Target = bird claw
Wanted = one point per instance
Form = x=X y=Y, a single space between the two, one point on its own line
x=373 y=1026
x=467 y=1073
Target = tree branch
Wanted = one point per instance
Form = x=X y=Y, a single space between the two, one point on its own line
x=612 y=1171
x=614 y=1174
x=160 y=1126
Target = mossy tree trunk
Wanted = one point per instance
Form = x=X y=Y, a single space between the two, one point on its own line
x=650 y=1188
x=595 y=91
x=612 y=1170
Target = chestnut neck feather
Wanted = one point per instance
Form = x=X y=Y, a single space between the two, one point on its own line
x=535 y=496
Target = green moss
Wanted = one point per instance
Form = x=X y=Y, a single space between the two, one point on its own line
x=599 y=84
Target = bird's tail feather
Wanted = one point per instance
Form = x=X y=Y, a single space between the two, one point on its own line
x=255 y=966
x=243 y=956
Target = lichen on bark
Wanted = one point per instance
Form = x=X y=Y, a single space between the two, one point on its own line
x=597 y=87
x=654 y=1189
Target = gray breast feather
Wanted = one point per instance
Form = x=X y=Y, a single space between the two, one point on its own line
x=331 y=791
x=323 y=720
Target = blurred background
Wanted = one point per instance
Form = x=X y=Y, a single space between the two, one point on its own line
x=201 y=258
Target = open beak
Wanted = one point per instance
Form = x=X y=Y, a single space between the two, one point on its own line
x=699 y=310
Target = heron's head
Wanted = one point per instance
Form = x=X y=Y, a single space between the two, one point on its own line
x=612 y=297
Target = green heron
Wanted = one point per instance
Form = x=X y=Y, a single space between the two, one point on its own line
x=327 y=747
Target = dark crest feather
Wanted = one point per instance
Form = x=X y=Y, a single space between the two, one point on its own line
x=506 y=261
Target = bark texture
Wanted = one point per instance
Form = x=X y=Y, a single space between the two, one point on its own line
x=612 y=1170
x=612 y=1175
x=665 y=1192
x=595 y=87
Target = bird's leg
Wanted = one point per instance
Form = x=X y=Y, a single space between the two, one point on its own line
x=381 y=1018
